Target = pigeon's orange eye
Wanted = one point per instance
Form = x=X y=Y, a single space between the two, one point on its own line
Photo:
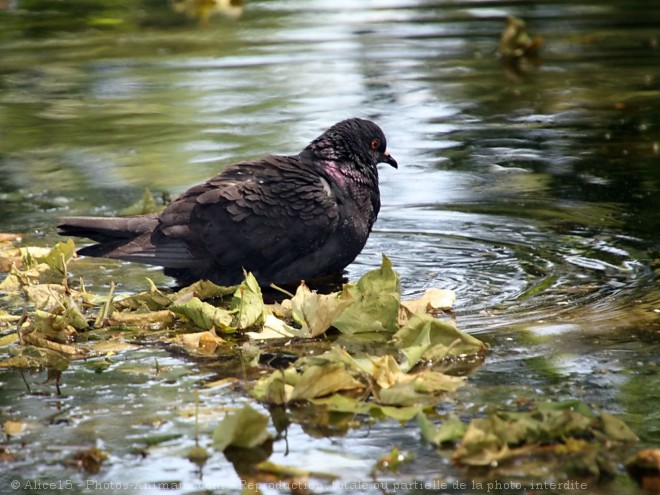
x=375 y=144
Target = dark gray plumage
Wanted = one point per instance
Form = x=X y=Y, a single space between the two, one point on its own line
x=284 y=218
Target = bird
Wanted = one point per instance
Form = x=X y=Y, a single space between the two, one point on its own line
x=285 y=219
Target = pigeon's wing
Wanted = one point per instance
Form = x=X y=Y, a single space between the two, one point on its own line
x=259 y=215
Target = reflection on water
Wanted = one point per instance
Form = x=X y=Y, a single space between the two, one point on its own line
x=536 y=200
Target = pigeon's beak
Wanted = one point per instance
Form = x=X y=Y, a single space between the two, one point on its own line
x=387 y=158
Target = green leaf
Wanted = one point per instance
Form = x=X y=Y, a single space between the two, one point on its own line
x=142 y=207
x=59 y=255
x=450 y=430
x=319 y=381
x=375 y=306
x=420 y=388
x=435 y=339
x=245 y=429
x=247 y=305
x=151 y=300
x=272 y=389
x=203 y=314
x=314 y=312
x=203 y=289
x=616 y=430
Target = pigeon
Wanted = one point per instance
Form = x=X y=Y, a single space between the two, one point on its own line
x=282 y=218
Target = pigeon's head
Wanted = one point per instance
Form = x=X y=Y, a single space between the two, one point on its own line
x=354 y=142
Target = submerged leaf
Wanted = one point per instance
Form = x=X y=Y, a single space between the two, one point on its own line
x=245 y=428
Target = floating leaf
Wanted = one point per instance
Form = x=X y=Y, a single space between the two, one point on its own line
x=563 y=427
x=31 y=356
x=344 y=404
x=59 y=255
x=247 y=305
x=272 y=389
x=202 y=289
x=421 y=388
x=151 y=300
x=432 y=300
x=245 y=428
x=153 y=320
x=274 y=328
x=450 y=430
x=204 y=343
x=14 y=428
x=375 y=306
x=316 y=312
x=442 y=338
x=616 y=430
x=319 y=381
x=203 y=314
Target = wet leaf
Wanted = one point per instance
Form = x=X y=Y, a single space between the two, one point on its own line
x=314 y=312
x=64 y=350
x=147 y=204
x=392 y=461
x=203 y=314
x=616 y=430
x=419 y=389
x=319 y=381
x=247 y=305
x=58 y=256
x=14 y=428
x=432 y=300
x=274 y=328
x=564 y=428
x=245 y=428
x=202 y=289
x=201 y=343
x=272 y=389
x=427 y=337
x=450 y=430
x=34 y=357
x=90 y=460
x=153 y=320
x=375 y=306
x=344 y=404
x=151 y=300
x=198 y=455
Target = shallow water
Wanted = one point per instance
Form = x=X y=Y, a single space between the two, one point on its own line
x=534 y=196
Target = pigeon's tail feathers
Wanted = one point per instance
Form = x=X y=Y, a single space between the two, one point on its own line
x=107 y=229
x=129 y=239
x=113 y=234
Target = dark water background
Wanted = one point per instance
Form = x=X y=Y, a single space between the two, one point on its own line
x=534 y=196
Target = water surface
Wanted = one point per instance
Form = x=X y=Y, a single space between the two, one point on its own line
x=533 y=195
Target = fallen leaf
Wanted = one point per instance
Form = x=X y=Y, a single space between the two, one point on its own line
x=203 y=314
x=375 y=306
x=245 y=428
